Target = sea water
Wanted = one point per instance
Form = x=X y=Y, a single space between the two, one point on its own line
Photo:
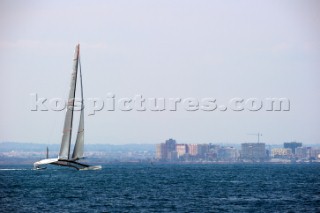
x=162 y=188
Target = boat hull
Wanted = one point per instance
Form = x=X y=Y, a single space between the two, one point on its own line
x=63 y=162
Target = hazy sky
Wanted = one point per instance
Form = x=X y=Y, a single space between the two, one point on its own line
x=218 y=49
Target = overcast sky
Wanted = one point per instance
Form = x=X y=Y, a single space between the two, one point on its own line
x=169 y=49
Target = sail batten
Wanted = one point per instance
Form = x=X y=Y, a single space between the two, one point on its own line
x=67 y=129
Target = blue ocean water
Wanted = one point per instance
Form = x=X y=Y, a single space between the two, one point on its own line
x=162 y=188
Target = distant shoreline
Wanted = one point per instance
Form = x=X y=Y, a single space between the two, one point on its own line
x=30 y=162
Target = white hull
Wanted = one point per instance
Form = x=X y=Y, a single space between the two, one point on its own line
x=45 y=162
x=68 y=163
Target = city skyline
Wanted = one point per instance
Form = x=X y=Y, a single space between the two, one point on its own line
x=257 y=152
x=171 y=151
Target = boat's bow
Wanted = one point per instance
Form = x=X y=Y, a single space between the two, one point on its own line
x=44 y=162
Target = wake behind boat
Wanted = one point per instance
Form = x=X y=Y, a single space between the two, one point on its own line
x=64 y=158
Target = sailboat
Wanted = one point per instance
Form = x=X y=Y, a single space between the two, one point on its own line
x=65 y=158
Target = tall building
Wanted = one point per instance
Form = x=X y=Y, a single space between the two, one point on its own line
x=171 y=149
x=161 y=151
x=292 y=146
x=193 y=149
x=281 y=153
x=167 y=150
x=253 y=151
x=182 y=149
x=203 y=149
x=303 y=152
x=171 y=145
x=213 y=151
x=227 y=154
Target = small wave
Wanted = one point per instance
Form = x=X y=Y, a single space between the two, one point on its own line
x=13 y=169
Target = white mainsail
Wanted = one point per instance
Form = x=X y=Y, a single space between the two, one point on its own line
x=67 y=129
x=78 y=147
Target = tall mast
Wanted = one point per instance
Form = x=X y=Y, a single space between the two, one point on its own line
x=67 y=129
x=74 y=94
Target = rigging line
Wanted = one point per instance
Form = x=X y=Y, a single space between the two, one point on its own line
x=82 y=105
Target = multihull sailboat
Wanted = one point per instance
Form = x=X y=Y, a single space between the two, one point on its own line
x=65 y=158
